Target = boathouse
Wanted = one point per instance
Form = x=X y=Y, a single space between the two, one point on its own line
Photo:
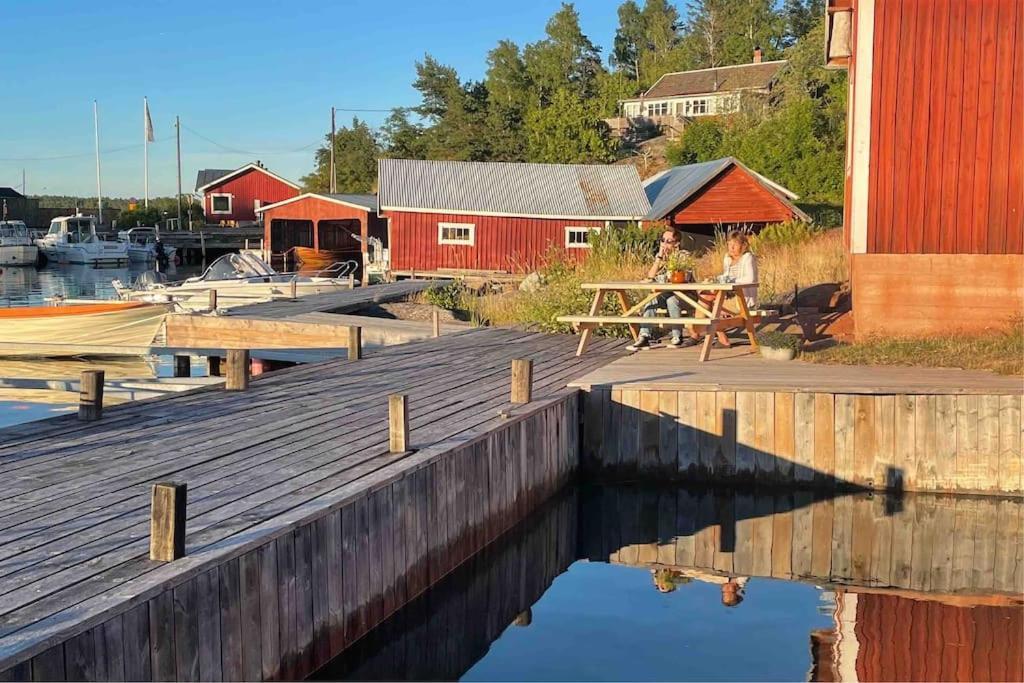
x=339 y=225
x=700 y=198
x=465 y=215
x=935 y=180
x=233 y=197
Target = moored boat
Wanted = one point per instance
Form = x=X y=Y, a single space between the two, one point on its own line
x=145 y=246
x=16 y=247
x=73 y=239
x=71 y=328
x=320 y=258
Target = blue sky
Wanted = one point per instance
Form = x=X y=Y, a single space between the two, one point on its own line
x=256 y=76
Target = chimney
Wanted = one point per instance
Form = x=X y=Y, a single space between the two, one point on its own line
x=757 y=55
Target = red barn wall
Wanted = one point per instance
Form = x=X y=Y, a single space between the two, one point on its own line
x=942 y=248
x=733 y=197
x=244 y=190
x=502 y=243
x=315 y=209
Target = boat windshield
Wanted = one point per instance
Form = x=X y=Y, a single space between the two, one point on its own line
x=13 y=230
x=237 y=266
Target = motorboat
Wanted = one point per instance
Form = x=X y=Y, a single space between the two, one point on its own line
x=144 y=245
x=16 y=247
x=238 y=278
x=73 y=239
x=72 y=328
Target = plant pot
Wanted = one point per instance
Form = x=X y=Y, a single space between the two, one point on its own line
x=677 y=277
x=777 y=354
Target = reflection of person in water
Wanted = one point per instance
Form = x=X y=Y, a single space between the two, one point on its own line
x=667 y=580
x=732 y=591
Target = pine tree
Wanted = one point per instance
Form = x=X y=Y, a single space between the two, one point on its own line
x=565 y=59
x=356 y=150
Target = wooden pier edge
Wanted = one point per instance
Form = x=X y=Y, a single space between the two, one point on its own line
x=517 y=459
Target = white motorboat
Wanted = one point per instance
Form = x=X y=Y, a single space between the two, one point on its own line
x=73 y=239
x=16 y=247
x=238 y=279
x=144 y=245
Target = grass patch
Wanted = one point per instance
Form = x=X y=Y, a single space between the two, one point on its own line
x=1001 y=352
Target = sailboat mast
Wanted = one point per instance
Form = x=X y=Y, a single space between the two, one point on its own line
x=145 y=147
x=177 y=128
x=99 y=186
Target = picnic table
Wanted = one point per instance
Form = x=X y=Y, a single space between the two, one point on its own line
x=717 y=317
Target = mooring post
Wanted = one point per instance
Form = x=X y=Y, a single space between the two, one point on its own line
x=293 y=288
x=182 y=366
x=213 y=366
x=435 y=319
x=351 y=280
x=355 y=342
x=167 y=521
x=90 y=395
x=238 y=370
x=522 y=380
x=398 y=423
x=213 y=301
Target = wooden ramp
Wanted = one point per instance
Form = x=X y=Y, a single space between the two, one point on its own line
x=303 y=530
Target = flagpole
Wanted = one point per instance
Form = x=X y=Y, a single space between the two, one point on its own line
x=333 y=182
x=177 y=129
x=145 y=145
x=99 y=187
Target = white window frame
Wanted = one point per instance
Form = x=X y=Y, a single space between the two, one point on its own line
x=214 y=211
x=471 y=241
x=659 y=108
x=587 y=229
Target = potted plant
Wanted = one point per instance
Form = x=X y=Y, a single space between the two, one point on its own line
x=779 y=345
x=681 y=265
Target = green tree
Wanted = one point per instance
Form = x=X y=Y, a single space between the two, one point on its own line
x=566 y=58
x=701 y=141
x=508 y=97
x=401 y=138
x=724 y=32
x=630 y=40
x=800 y=17
x=568 y=131
x=356 y=150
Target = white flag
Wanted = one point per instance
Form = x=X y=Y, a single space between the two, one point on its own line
x=149 y=121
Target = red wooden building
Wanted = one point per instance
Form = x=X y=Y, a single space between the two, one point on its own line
x=935 y=161
x=342 y=223
x=700 y=198
x=233 y=197
x=464 y=215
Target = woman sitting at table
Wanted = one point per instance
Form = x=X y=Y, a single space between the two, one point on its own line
x=658 y=273
x=740 y=267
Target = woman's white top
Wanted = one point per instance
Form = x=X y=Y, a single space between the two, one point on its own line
x=742 y=271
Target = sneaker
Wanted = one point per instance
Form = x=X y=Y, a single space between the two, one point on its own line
x=676 y=341
x=642 y=342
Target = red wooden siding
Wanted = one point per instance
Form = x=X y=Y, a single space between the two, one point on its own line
x=245 y=189
x=732 y=197
x=502 y=243
x=315 y=210
x=947 y=142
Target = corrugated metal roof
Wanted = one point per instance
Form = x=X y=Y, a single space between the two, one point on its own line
x=208 y=175
x=367 y=201
x=512 y=189
x=10 y=193
x=721 y=79
x=672 y=187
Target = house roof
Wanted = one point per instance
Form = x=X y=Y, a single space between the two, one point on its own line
x=10 y=193
x=209 y=177
x=718 y=79
x=670 y=188
x=356 y=201
x=512 y=189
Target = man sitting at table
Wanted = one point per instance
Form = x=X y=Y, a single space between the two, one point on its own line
x=658 y=272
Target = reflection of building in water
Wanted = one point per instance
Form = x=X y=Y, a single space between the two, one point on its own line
x=887 y=636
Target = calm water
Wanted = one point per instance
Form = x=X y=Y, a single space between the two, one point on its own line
x=631 y=583
x=30 y=287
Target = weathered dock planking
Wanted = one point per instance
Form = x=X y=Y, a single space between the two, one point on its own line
x=303 y=530
x=741 y=419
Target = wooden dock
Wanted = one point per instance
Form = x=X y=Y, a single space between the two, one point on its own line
x=304 y=531
x=741 y=419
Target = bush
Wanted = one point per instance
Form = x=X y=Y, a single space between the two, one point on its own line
x=451 y=296
x=788 y=233
x=779 y=340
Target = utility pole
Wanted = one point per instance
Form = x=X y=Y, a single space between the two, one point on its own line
x=24 y=187
x=333 y=185
x=177 y=130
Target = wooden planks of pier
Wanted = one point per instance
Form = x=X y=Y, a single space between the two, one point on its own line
x=303 y=530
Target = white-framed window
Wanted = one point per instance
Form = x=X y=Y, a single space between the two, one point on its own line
x=696 y=107
x=220 y=203
x=456 y=233
x=658 y=109
x=578 y=237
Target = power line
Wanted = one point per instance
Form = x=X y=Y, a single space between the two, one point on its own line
x=234 y=150
x=112 y=150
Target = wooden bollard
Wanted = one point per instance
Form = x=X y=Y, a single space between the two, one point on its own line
x=90 y=395
x=167 y=521
x=213 y=366
x=182 y=366
x=355 y=342
x=293 y=289
x=435 y=320
x=351 y=280
x=213 y=300
x=522 y=380
x=238 y=370
x=398 y=423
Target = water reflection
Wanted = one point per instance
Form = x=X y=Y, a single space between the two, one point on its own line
x=23 y=286
x=628 y=582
